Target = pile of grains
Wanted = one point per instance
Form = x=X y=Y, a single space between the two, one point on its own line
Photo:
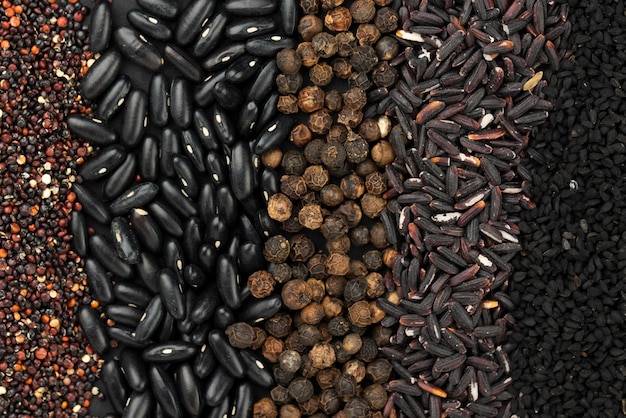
x=326 y=188
x=172 y=221
x=568 y=285
x=46 y=367
x=470 y=96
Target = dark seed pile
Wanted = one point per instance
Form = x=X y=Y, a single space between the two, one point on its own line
x=173 y=221
x=46 y=367
x=569 y=287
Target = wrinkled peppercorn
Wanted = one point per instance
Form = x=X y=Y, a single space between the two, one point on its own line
x=322 y=355
x=369 y=130
x=287 y=104
x=280 y=395
x=368 y=351
x=333 y=154
x=327 y=377
x=310 y=6
x=386 y=19
x=279 y=325
x=346 y=385
x=321 y=74
x=300 y=136
x=363 y=11
x=330 y=401
x=288 y=61
x=272 y=158
x=338 y=19
x=293 y=162
x=293 y=342
x=350 y=117
x=294 y=294
x=379 y=370
x=351 y=212
x=387 y=48
x=372 y=206
x=302 y=248
x=364 y=58
x=355 y=367
x=373 y=260
x=317 y=266
x=331 y=195
x=289 y=411
x=324 y=44
x=360 y=236
x=289 y=83
x=356 y=408
x=280 y=271
x=335 y=285
x=290 y=361
x=375 y=395
x=334 y=227
x=307 y=54
x=265 y=408
x=279 y=207
x=293 y=187
x=320 y=121
x=357 y=148
x=352 y=186
x=315 y=287
x=261 y=284
x=281 y=377
x=276 y=249
x=240 y=335
x=384 y=75
x=367 y=34
x=309 y=26
x=359 y=80
x=355 y=290
x=299 y=270
x=315 y=177
x=342 y=68
x=310 y=99
x=272 y=347
x=378 y=237
x=333 y=100
x=376 y=183
x=338 y=264
x=359 y=314
x=312 y=314
x=341 y=244
x=332 y=306
x=338 y=326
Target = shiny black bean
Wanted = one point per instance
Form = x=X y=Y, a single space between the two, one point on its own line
x=250 y=258
x=92 y=206
x=149 y=25
x=167 y=328
x=243 y=401
x=223 y=317
x=117 y=391
x=203 y=94
x=186 y=175
x=169 y=352
x=93 y=329
x=217 y=388
x=164 y=390
x=78 y=229
x=192 y=239
x=148 y=267
x=149 y=159
x=121 y=178
x=132 y=294
x=167 y=9
x=124 y=240
x=210 y=35
x=204 y=129
x=289 y=15
x=223 y=125
x=139 y=405
x=227 y=95
x=268 y=45
x=216 y=167
x=247 y=120
x=146 y=230
x=137 y=49
x=172 y=293
x=170 y=146
x=113 y=99
x=92 y=130
x=273 y=134
x=269 y=110
x=256 y=369
x=225 y=354
x=206 y=202
x=177 y=200
x=105 y=252
x=158 y=107
x=205 y=305
x=151 y=320
x=101 y=74
x=183 y=62
x=259 y=310
x=194 y=276
x=205 y=362
x=134 y=369
x=189 y=389
x=181 y=108
x=248 y=27
x=250 y=7
x=137 y=196
x=223 y=56
x=227 y=206
x=124 y=315
x=263 y=83
x=241 y=171
x=190 y=20
x=228 y=281
x=100 y=26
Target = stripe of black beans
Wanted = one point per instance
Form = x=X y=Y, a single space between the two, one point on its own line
x=173 y=217
x=471 y=87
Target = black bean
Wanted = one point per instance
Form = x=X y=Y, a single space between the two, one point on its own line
x=92 y=130
x=248 y=27
x=93 y=329
x=120 y=178
x=164 y=390
x=78 y=229
x=117 y=391
x=113 y=99
x=171 y=293
x=137 y=49
x=137 y=196
x=217 y=388
x=166 y=218
x=170 y=351
x=106 y=253
x=181 y=108
x=149 y=25
x=134 y=369
x=223 y=56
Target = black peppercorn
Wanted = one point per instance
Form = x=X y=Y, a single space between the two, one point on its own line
x=309 y=26
x=310 y=99
x=356 y=408
x=338 y=326
x=301 y=134
x=331 y=195
x=342 y=68
x=373 y=260
x=292 y=186
x=261 y=284
x=293 y=342
x=378 y=236
x=280 y=395
x=288 y=61
x=350 y=117
x=379 y=370
x=299 y=271
x=330 y=401
x=333 y=100
x=279 y=325
x=334 y=227
x=288 y=104
x=364 y=58
x=320 y=121
x=372 y=206
x=352 y=186
x=302 y=248
x=289 y=83
x=240 y=335
x=355 y=290
x=310 y=6
x=368 y=351
x=317 y=266
x=333 y=154
x=376 y=183
x=386 y=19
x=280 y=271
x=293 y=162
x=360 y=80
x=387 y=48
x=351 y=212
x=338 y=19
x=324 y=44
x=369 y=130
x=290 y=361
x=327 y=377
x=321 y=74
x=341 y=244
x=367 y=34
x=310 y=406
x=357 y=148
x=376 y=396
x=384 y=75
x=294 y=295
x=346 y=385
x=363 y=11
x=282 y=377
x=346 y=42
x=276 y=249
x=313 y=151
x=279 y=207
x=307 y=53
x=309 y=334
